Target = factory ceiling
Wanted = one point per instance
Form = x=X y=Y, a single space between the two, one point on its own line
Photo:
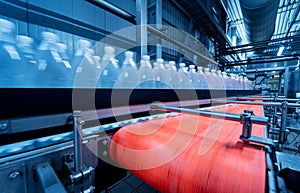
x=266 y=29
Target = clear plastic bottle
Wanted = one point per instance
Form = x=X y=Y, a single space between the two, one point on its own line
x=29 y=57
x=97 y=60
x=161 y=74
x=67 y=68
x=225 y=79
x=128 y=61
x=235 y=85
x=201 y=78
x=83 y=48
x=214 y=79
x=173 y=77
x=110 y=72
x=147 y=63
x=183 y=77
x=193 y=78
x=51 y=67
x=241 y=82
x=146 y=74
x=129 y=72
x=13 y=70
x=220 y=80
x=208 y=78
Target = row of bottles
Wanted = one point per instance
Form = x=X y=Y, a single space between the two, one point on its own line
x=49 y=65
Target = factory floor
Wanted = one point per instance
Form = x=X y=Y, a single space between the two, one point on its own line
x=130 y=184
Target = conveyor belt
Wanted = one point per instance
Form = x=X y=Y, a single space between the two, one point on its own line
x=189 y=153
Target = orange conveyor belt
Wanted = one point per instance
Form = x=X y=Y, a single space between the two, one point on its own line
x=190 y=153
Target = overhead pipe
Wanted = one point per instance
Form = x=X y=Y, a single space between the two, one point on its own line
x=262 y=44
x=114 y=9
x=219 y=115
x=269 y=69
x=265 y=60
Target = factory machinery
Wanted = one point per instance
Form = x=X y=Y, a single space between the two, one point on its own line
x=82 y=126
x=230 y=144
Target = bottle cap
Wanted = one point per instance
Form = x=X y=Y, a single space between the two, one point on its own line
x=160 y=60
x=146 y=57
x=129 y=54
x=24 y=39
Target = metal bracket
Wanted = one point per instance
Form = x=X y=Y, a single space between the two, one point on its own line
x=74 y=163
x=48 y=179
x=247 y=130
x=247 y=124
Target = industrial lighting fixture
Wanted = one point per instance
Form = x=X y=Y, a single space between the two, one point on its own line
x=280 y=50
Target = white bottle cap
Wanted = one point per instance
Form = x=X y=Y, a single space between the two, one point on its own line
x=24 y=40
x=6 y=26
x=109 y=50
x=146 y=57
x=129 y=54
x=61 y=47
x=160 y=60
x=49 y=36
x=172 y=63
x=182 y=64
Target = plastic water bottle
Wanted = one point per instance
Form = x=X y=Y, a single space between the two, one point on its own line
x=234 y=84
x=66 y=68
x=208 y=78
x=129 y=73
x=97 y=60
x=173 y=77
x=183 y=77
x=201 y=78
x=161 y=74
x=220 y=80
x=29 y=57
x=82 y=50
x=214 y=79
x=193 y=77
x=225 y=79
x=146 y=73
x=110 y=71
x=51 y=67
x=13 y=70
x=128 y=62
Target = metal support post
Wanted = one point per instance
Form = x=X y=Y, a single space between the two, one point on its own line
x=78 y=122
x=283 y=122
x=286 y=80
x=141 y=21
x=275 y=115
x=158 y=18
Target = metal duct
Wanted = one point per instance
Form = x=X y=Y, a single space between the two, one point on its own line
x=114 y=9
x=259 y=18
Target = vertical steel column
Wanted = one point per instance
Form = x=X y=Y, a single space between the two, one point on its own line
x=286 y=79
x=158 y=18
x=78 y=122
x=284 y=107
x=280 y=84
x=141 y=21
